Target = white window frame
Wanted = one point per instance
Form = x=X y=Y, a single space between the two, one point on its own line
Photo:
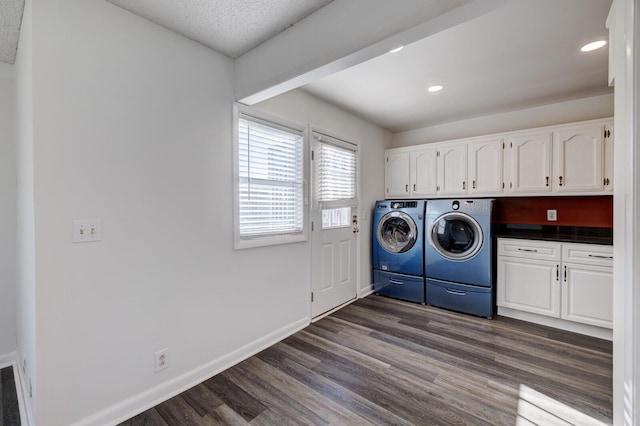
x=242 y=242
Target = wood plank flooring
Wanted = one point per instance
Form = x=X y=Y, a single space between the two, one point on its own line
x=383 y=361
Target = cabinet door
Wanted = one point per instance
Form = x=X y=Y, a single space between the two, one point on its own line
x=529 y=285
x=608 y=159
x=587 y=294
x=529 y=163
x=396 y=174
x=424 y=172
x=578 y=159
x=485 y=166
x=452 y=170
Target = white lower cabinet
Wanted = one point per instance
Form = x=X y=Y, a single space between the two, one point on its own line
x=570 y=281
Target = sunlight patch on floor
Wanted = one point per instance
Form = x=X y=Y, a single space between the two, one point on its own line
x=535 y=408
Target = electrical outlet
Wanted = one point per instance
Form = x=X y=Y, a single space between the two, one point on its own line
x=552 y=215
x=162 y=359
x=87 y=230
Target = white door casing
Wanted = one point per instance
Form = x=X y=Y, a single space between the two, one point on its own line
x=334 y=246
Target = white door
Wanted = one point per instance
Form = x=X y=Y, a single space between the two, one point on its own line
x=485 y=166
x=529 y=165
x=334 y=229
x=529 y=285
x=578 y=159
x=587 y=294
x=452 y=170
x=396 y=173
x=424 y=177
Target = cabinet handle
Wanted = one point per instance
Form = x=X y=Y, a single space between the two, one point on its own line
x=406 y=188
x=606 y=181
x=547 y=183
x=464 y=185
x=510 y=185
x=474 y=184
x=565 y=273
x=557 y=273
x=528 y=250
x=560 y=180
x=600 y=256
x=414 y=186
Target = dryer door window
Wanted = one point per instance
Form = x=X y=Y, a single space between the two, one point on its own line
x=397 y=232
x=456 y=236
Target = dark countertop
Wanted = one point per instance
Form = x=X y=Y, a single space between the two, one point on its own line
x=564 y=234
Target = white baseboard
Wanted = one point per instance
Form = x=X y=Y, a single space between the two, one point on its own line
x=11 y=359
x=139 y=403
x=589 y=330
x=8 y=359
x=364 y=292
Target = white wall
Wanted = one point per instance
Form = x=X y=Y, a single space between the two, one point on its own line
x=7 y=212
x=25 y=243
x=132 y=125
x=303 y=108
x=593 y=107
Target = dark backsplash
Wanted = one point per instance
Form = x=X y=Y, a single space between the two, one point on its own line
x=574 y=213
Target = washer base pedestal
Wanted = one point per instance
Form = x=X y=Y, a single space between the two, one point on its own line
x=463 y=298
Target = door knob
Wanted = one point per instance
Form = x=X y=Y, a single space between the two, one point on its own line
x=356 y=230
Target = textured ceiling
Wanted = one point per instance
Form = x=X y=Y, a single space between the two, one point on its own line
x=232 y=27
x=10 y=20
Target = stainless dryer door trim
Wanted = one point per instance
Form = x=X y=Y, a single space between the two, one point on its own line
x=456 y=236
x=397 y=232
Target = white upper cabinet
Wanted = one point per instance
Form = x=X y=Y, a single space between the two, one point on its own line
x=528 y=163
x=485 y=166
x=397 y=173
x=452 y=169
x=424 y=172
x=571 y=159
x=578 y=159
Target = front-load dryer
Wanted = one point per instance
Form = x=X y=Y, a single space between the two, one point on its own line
x=459 y=255
x=398 y=236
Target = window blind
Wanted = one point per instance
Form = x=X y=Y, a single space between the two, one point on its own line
x=271 y=179
x=336 y=176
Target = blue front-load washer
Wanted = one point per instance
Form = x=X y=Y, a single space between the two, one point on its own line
x=397 y=249
x=398 y=236
x=459 y=255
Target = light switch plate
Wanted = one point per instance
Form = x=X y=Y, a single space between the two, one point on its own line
x=552 y=215
x=87 y=230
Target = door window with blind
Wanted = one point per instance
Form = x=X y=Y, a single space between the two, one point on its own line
x=269 y=180
x=335 y=180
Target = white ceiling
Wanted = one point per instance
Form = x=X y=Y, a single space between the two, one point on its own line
x=523 y=54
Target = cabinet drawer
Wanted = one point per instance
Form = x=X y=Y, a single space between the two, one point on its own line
x=588 y=254
x=541 y=250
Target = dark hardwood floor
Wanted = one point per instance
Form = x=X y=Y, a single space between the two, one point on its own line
x=383 y=361
x=9 y=411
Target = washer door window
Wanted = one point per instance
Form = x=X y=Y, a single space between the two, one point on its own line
x=456 y=236
x=397 y=232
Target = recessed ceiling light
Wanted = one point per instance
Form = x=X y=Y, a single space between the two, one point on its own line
x=593 y=46
x=435 y=88
x=397 y=49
